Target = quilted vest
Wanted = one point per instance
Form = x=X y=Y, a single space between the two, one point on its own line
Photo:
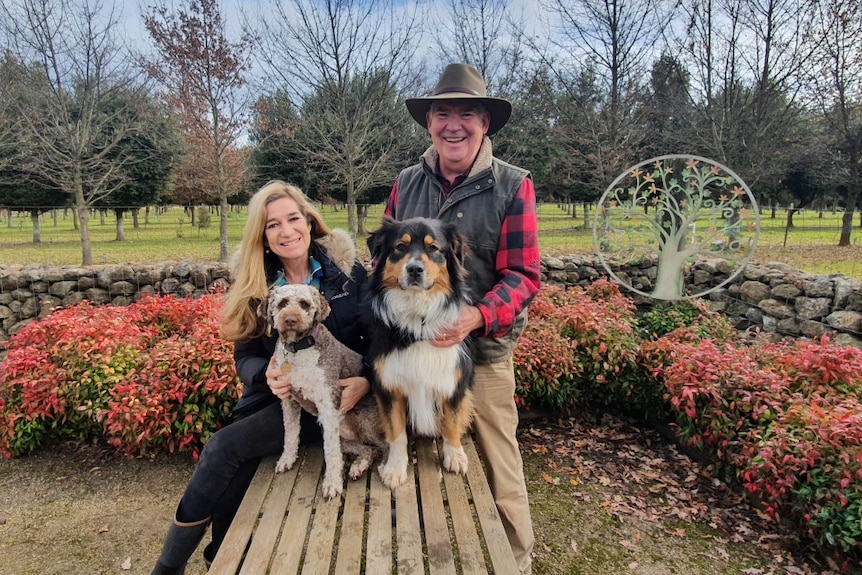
x=477 y=207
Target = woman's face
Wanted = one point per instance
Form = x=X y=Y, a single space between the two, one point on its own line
x=287 y=232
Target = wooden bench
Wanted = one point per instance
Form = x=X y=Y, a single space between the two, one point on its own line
x=436 y=523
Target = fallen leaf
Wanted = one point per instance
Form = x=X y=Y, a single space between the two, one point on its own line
x=127 y=564
x=103 y=529
x=550 y=479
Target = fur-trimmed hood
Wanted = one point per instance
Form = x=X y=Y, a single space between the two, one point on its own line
x=339 y=247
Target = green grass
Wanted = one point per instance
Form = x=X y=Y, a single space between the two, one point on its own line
x=169 y=236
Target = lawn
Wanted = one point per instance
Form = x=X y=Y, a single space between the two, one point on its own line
x=169 y=235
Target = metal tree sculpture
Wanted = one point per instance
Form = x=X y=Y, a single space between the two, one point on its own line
x=679 y=208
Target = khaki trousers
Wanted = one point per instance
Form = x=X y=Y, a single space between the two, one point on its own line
x=495 y=425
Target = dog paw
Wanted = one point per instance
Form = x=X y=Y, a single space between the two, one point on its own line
x=392 y=475
x=331 y=490
x=359 y=467
x=284 y=463
x=454 y=460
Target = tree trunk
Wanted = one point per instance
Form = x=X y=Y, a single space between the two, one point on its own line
x=669 y=273
x=351 y=207
x=84 y=222
x=224 y=210
x=362 y=212
x=121 y=230
x=847 y=217
x=790 y=213
x=37 y=228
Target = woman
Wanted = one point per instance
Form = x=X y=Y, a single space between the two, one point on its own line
x=285 y=241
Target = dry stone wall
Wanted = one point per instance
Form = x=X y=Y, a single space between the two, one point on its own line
x=772 y=297
x=34 y=291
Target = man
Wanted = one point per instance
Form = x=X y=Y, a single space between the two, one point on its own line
x=493 y=204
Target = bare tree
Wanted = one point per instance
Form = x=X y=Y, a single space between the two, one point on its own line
x=70 y=112
x=744 y=57
x=485 y=34
x=611 y=45
x=343 y=62
x=835 y=80
x=203 y=74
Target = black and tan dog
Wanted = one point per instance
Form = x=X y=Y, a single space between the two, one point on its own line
x=417 y=290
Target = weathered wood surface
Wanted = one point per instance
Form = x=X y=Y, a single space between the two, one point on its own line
x=437 y=523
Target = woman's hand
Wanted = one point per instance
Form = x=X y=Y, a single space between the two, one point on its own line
x=278 y=380
x=352 y=390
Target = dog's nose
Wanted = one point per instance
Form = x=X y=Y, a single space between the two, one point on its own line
x=290 y=320
x=415 y=269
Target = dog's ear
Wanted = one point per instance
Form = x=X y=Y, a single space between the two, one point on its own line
x=322 y=308
x=376 y=239
x=460 y=249
x=263 y=309
x=264 y=320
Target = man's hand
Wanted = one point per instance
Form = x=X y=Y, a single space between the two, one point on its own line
x=470 y=320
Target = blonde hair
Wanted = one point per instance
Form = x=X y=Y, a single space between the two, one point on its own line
x=239 y=321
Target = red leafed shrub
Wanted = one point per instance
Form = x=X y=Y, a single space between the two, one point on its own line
x=579 y=345
x=785 y=418
x=718 y=390
x=149 y=377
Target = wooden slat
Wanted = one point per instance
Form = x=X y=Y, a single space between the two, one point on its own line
x=269 y=526
x=444 y=524
x=318 y=553
x=408 y=539
x=378 y=554
x=292 y=541
x=502 y=559
x=471 y=557
x=349 y=559
x=236 y=540
x=434 y=525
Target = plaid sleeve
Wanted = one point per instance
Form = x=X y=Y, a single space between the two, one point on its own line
x=518 y=264
x=392 y=201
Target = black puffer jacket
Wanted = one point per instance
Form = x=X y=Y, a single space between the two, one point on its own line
x=342 y=282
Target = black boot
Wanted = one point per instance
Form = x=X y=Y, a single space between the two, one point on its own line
x=180 y=543
x=209 y=555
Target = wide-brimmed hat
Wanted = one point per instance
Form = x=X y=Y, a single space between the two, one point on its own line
x=462 y=82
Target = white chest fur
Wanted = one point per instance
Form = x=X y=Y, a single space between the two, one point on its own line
x=424 y=373
x=306 y=375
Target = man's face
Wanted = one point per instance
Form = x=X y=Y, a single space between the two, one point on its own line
x=457 y=128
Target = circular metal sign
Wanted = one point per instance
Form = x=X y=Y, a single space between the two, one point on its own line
x=675 y=210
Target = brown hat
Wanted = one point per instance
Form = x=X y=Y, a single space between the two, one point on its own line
x=462 y=82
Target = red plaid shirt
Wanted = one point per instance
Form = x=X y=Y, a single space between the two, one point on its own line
x=517 y=264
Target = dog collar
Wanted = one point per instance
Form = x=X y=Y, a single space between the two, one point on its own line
x=304 y=343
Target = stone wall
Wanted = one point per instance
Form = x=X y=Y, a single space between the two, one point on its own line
x=773 y=297
x=33 y=291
